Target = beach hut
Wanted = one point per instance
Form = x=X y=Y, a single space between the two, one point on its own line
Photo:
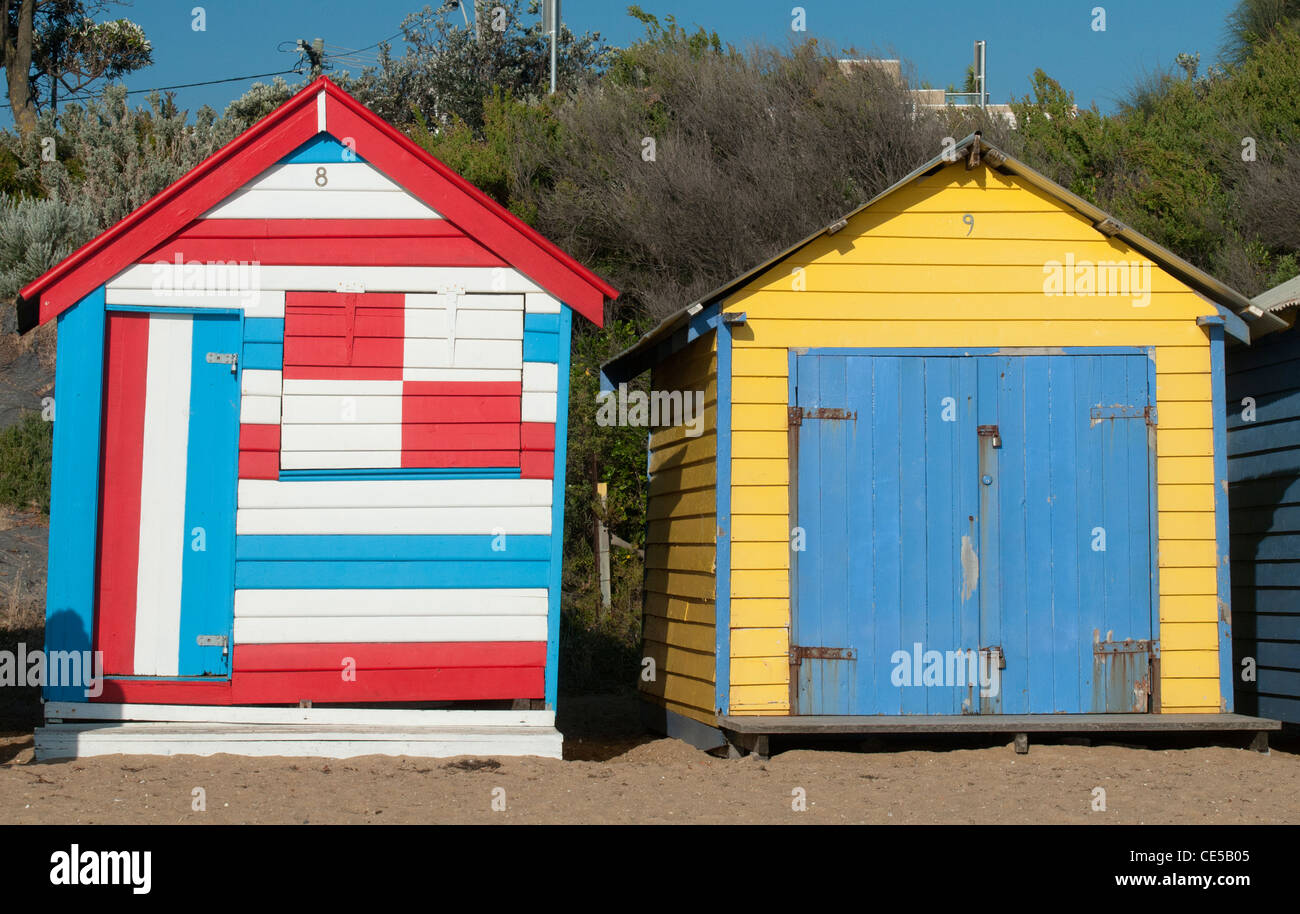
x=962 y=468
x=309 y=451
x=1264 y=496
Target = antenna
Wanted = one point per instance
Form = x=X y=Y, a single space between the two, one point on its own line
x=981 y=77
x=551 y=26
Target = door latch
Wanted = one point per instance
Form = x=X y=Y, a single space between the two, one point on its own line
x=996 y=659
x=990 y=431
x=213 y=641
x=224 y=358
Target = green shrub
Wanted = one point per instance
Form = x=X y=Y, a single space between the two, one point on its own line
x=25 y=451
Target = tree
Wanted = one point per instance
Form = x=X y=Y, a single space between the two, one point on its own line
x=73 y=51
x=449 y=68
x=54 y=46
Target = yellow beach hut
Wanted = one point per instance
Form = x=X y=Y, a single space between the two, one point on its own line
x=962 y=468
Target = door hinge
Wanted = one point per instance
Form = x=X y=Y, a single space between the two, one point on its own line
x=799 y=653
x=1148 y=413
x=224 y=358
x=796 y=414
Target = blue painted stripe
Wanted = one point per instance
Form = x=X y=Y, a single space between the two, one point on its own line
x=264 y=330
x=1218 y=394
x=367 y=575
x=412 y=473
x=74 y=484
x=267 y=356
x=322 y=149
x=541 y=347
x=392 y=547
x=207 y=562
x=541 y=323
x=722 y=585
x=157 y=309
x=555 y=574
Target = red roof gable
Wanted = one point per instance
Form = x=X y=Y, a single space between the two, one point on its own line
x=279 y=133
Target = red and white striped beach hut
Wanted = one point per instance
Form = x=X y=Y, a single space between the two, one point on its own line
x=311 y=408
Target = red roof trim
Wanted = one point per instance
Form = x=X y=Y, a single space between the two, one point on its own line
x=264 y=144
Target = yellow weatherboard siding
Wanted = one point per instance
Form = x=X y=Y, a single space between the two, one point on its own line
x=678 y=630
x=910 y=272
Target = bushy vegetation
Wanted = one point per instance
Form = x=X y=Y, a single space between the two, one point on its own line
x=25 y=451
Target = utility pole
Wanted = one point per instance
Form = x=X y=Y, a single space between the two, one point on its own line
x=551 y=26
x=315 y=53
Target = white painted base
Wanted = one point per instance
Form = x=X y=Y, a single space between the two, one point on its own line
x=72 y=732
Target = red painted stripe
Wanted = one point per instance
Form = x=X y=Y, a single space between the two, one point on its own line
x=537 y=465
x=119 y=501
x=372 y=252
x=460 y=409
x=334 y=373
x=446 y=684
x=310 y=321
x=338 y=299
x=259 y=465
x=165 y=692
x=387 y=655
x=478 y=436
x=320 y=228
x=537 y=436
x=439 y=459
x=335 y=352
x=462 y=388
x=365 y=340
x=257 y=437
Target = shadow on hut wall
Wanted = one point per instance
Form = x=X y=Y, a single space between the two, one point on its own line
x=1255 y=506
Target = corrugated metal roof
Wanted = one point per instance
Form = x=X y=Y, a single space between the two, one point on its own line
x=1279 y=298
x=1196 y=278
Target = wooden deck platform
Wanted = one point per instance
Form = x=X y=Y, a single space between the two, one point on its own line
x=753 y=733
x=75 y=731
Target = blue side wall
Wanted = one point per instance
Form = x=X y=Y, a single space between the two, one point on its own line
x=1264 y=498
x=74 y=484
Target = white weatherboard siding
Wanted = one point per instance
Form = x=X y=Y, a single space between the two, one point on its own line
x=260 y=382
x=162 y=496
x=259 y=410
x=367 y=616
x=470 y=601
x=541 y=376
x=401 y=506
x=378 y=521
x=377 y=628
x=254 y=303
x=541 y=303
x=538 y=407
x=406 y=493
x=339 y=190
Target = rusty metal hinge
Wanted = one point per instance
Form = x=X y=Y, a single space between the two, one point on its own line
x=797 y=414
x=798 y=653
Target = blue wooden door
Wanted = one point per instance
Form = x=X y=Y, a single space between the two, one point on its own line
x=165 y=569
x=976 y=533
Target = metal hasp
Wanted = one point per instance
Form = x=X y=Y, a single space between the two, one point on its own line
x=210 y=640
x=1122 y=674
x=990 y=431
x=224 y=358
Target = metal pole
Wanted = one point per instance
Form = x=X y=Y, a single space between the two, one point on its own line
x=551 y=23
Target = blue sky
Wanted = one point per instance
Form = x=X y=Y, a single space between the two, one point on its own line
x=242 y=36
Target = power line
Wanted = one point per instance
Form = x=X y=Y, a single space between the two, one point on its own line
x=209 y=82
